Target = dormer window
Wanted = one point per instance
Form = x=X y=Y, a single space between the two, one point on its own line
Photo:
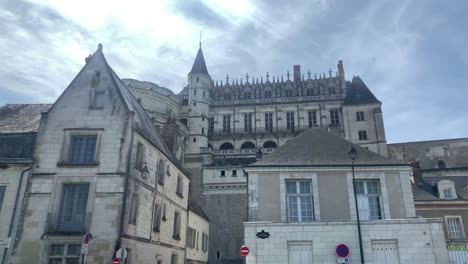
x=446 y=189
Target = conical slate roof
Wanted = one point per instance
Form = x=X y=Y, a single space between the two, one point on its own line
x=317 y=147
x=199 y=65
x=359 y=93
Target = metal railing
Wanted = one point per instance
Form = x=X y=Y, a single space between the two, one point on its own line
x=282 y=99
x=258 y=130
x=234 y=151
x=68 y=223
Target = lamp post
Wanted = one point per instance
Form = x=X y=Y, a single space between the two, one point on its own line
x=352 y=154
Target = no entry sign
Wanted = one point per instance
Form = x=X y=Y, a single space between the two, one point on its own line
x=116 y=261
x=342 y=251
x=244 y=251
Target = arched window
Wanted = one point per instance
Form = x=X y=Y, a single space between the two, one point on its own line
x=270 y=144
x=267 y=94
x=227 y=96
x=441 y=164
x=310 y=91
x=226 y=145
x=184 y=121
x=247 y=145
x=247 y=95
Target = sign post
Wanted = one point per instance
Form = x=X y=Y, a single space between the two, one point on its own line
x=244 y=251
x=85 y=246
x=342 y=251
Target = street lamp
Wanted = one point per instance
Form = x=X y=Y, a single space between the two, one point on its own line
x=352 y=154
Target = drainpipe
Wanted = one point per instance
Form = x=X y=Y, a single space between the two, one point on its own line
x=127 y=176
x=7 y=251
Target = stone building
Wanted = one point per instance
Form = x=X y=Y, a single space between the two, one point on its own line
x=18 y=128
x=440 y=186
x=198 y=231
x=102 y=167
x=302 y=195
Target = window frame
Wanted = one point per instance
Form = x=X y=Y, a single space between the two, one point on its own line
x=298 y=195
x=248 y=122
x=210 y=125
x=64 y=206
x=65 y=152
x=204 y=242
x=368 y=195
x=180 y=186
x=269 y=122
x=362 y=134
x=176 y=225
x=334 y=117
x=227 y=124
x=462 y=228
x=2 y=196
x=160 y=173
x=64 y=255
x=290 y=121
x=157 y=217
x=312 y=118
x=360 y=116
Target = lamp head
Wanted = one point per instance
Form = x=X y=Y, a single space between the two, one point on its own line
x=352 y=153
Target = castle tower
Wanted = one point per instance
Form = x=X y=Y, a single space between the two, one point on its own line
x=363 y=120
x=199 y=87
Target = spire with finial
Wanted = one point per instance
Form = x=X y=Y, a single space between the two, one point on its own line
x=281 y=78
x=330 y=72
x=241 y=81
x=257 y=81
x=221 y=83
x=273 y=79
x=227 y=79
x=216 y=82
x=315 y=76
x=287 y=74
x=199 y=65
x=267 y=77
x=261 y=79
x=247 y=78
x=303 y=77
x=308 y=74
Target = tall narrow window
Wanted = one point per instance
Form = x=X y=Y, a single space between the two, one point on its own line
x=310 y=91
x=334 y=117
x=369 y=199
x=204 y=242
x=290 y=121
x=98 y=100
x=234 y=173
x=226 y=123
x=227 y=96
x=269 y=122
x=247 y=95
x=362 y=135
x=140 y=156
x=312 y=118
x=157 y=217
x=180 y=186
x=248 y=122
x=2 y=195
x=360 y=116
x=173 y=259
x=267 y=94
x=210 y=125
x=72 y=216
x=195 y=90
x=176 y=228
x=454 y=227
x=134 y=206
x=163 y=217
x=82 y=149
x=299 y=201
x=289 y=93
x=185 y=99
x=160 y=172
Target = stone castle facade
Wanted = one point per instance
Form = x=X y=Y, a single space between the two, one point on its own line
x=215 y=128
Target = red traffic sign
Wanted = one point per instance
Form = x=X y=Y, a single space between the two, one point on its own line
x=116 y=261
x=342 y=250
x=244 y=251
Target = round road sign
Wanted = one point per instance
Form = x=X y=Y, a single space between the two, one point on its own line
x=116 y=261
x=342 y=251
x=244 y=251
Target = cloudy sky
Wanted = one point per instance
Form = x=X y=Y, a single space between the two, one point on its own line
x=412 y=54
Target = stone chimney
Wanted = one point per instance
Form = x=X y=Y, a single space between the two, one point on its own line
x=297 y=73
x=417 y=177
x=341 y=70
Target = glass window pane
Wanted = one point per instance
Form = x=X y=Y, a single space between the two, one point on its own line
x=306 y=209
x=293 y=212
x=90 y=149
x=72 y=260
x=74 y=250
x=57 y=250
x=372 y=187
x=75 y=149
x=304 y=187
x=55 y=261
x=291 y=187
x=360 y=187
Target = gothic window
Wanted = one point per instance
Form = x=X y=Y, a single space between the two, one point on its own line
x=248 y=122
x=312 y=118
x=310 y=91
x=247 y=95
x=334 y=117
x=227 y=96
x=362 y=135
x=369 y=199
x=226 y=123
x=269 y=122
x=299 y=201
x=267 y=94
x=290 y=121
x=269 y=144
x=210 y=125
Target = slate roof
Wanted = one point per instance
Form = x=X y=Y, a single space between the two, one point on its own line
x=318 y=147
x=21 y=118
x=427 y=191
x=358 y=93
x=199 y=65
x=194 y=207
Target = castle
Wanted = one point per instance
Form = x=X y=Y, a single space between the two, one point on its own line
x=217 y=127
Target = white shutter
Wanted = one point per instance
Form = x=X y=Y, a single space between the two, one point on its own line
x=364 y=210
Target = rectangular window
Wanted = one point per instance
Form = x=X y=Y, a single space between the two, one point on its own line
x=369 y=199
x=157 y=217
x=194 y=91
x=299 y=201
x=248 y=122
x=98 y=100
x=234 y=173
x=134 y=207
x=204 y=93
x=185 y=99
x=173 y=259
x=226 y=123
x=140 y=156
x=334 y=117
x=191 y=236
x=64 y=253
x=194 y=103
x=176 y=229
x=180 y=186
x=448 y=193
x=196 y=241
x=203 y=131
x=194 y=139
x=290 y=121
x=362 y=135
x=74 y=200
x=160 y=172
x=269 y=122
x=82 y=149
x=2 y=195
x=204 y=242
x=360 y=116
x=164 y=213
x=210 y=125
x=223 y=173
x=454 y=227
x=312 y=118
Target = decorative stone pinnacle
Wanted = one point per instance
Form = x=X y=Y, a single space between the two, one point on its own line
x=308 y=74
x=287 y=74
x=267 y=77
